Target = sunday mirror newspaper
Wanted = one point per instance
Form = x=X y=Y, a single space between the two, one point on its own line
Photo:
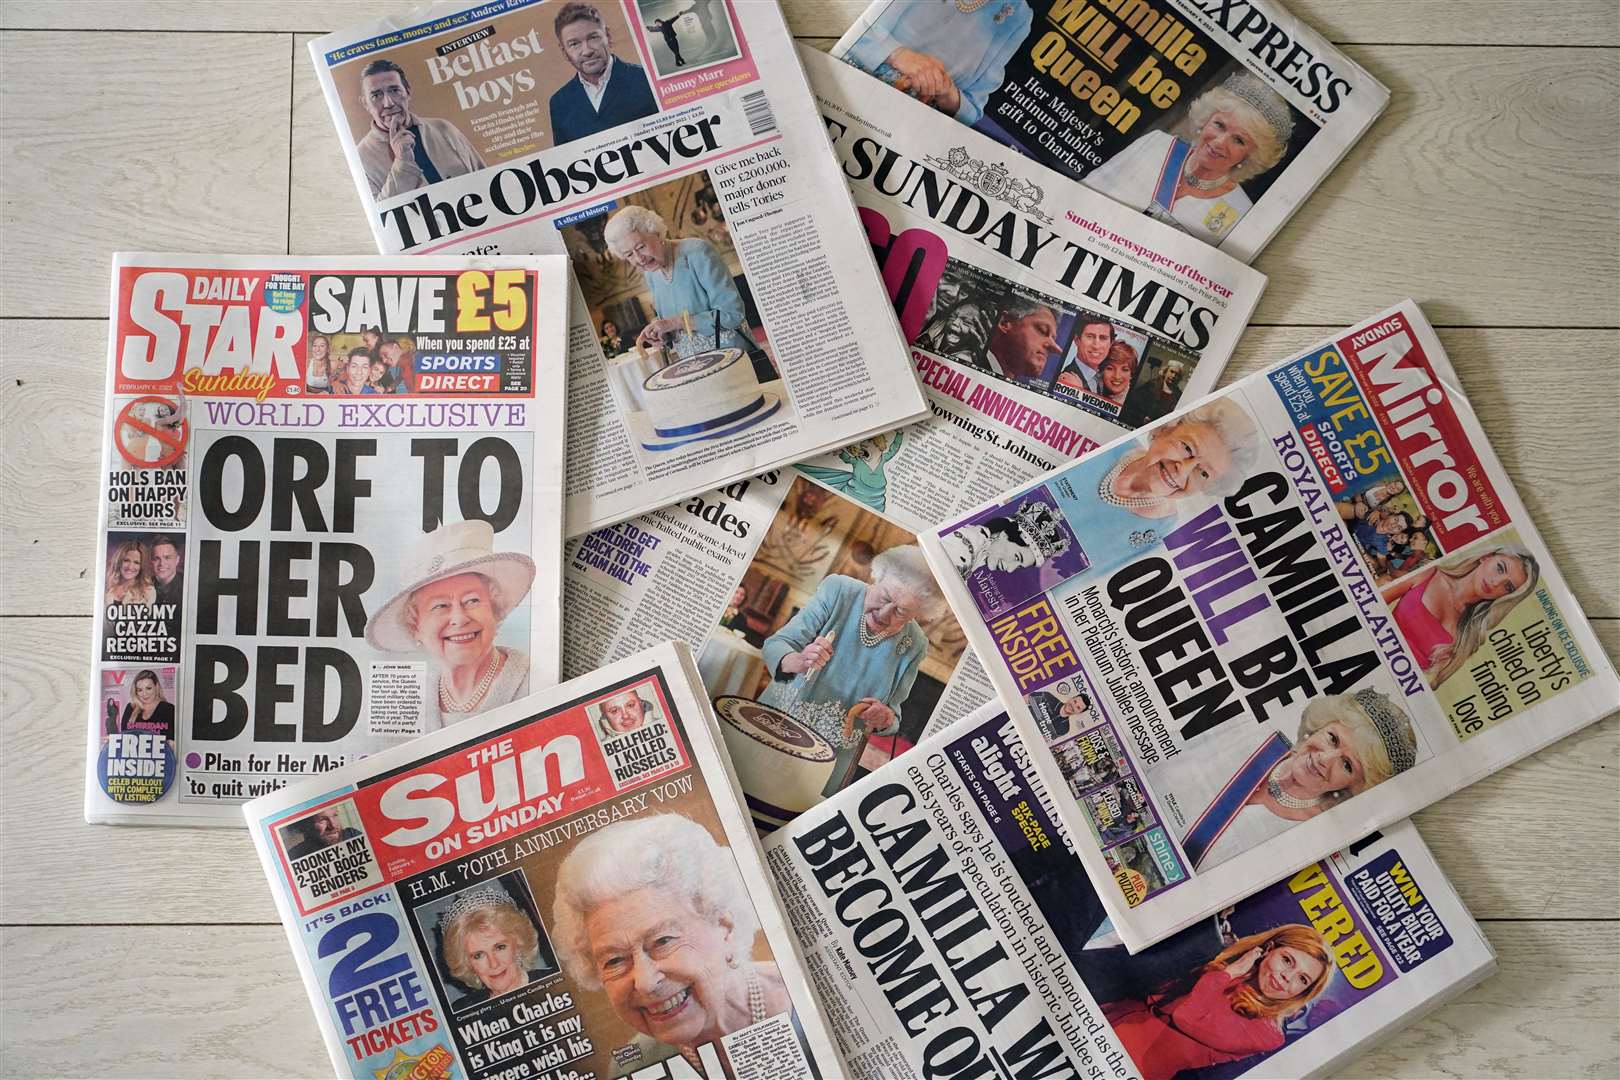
x=330 y=520
x=952 y=932
x=727 y=316
x=1218 y=117
x=1012 y=295
x=562 y=888
x=1303 y=608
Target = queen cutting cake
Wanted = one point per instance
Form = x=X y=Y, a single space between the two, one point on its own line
x=712 y=393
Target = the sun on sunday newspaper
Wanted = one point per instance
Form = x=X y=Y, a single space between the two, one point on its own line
x=952 y=931
x=726 y=318
x=329 y=520
x=1044 y=321
x=1302 y=608
x=542 y=892
x=1218 y=117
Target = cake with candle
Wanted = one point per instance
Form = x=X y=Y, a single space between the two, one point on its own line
x=710 y=393
x=782 y=764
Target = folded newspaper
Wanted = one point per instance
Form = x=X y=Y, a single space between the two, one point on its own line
x=817 y=621
x=950 y=930
x=1303 y=608
x=564 y=887
x=1216 y=116
x=288 y=579
x=724 y=321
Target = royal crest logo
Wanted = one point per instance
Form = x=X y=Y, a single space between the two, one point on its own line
x=993 y=181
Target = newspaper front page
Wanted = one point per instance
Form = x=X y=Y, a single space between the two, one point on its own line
x=952 y=932
x=757 y=574
x=330 y=521
x=724 y=321
x=1302 y=608
x=1218 y=117
x=550 y=891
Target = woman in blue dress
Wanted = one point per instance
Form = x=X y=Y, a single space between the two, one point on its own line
x=854 y=651
x=685 y=276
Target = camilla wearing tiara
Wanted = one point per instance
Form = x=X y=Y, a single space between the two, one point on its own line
x=490 y=945
x=1193 y=178
x=1347 y=744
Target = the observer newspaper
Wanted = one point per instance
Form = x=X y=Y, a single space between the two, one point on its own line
x=724 y=321
x=1040 y=336
x=951 y=931
x=565 y=887
x=1302 y=608
x=1219 y=117
x=330 y=519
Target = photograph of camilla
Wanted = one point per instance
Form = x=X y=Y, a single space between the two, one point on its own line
x=1064 y=351
x=832 y=655
x=417 y=115
x=374 y=361
x=1198 y=166
x=1237 y=786
x=489 y=940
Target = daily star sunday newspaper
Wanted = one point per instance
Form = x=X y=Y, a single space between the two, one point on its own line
x=1303 y=608
x=1219 y=117
x=951 y=931
x=565 y=887
x=724 y=321
x=1044 y=321
x=331 y=516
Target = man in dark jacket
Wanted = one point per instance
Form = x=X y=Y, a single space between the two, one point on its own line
x=607 y=92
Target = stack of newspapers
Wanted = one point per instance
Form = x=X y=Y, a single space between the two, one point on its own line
x=789 y=598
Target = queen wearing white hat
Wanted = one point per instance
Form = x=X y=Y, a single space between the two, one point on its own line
x=456 y=589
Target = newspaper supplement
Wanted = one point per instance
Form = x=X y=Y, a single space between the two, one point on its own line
x=952 y=933
x=1299 y=610
x=723 y=323
x=1218 y=117
x=330 y=520
x=1018 y=288
x=561 y=888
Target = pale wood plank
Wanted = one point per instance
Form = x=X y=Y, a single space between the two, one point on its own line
x=1543 y=428
x=173 y=142
x=327 y=218
x=1486 y=841
x=212 y=1001
x=1526 y=22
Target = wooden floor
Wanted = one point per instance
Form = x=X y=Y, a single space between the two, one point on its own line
x=1488 y=191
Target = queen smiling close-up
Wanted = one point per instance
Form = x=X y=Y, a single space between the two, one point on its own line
x=654 y=914
x=456 y=591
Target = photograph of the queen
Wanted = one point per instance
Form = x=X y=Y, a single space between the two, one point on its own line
x=1193 y=177
x=455 y=591
x=653 y=913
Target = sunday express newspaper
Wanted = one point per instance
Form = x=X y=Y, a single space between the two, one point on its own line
x=542 y=892
x=1218 y=117
x=1011 y=309
x=952 y=932
x=723 y=322
x=1301 y=609
x=330 y=519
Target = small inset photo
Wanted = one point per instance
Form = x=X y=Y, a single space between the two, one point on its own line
x=487 y=940
x=327 y=854
x=684 y=35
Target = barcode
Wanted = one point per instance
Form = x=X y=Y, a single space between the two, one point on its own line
x=757 y=110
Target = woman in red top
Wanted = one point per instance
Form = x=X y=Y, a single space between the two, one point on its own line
x=1231 y=1008
x=1446 y=612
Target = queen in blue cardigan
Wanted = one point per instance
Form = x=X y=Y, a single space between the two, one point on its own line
x=845 y=664
x=683 y=275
